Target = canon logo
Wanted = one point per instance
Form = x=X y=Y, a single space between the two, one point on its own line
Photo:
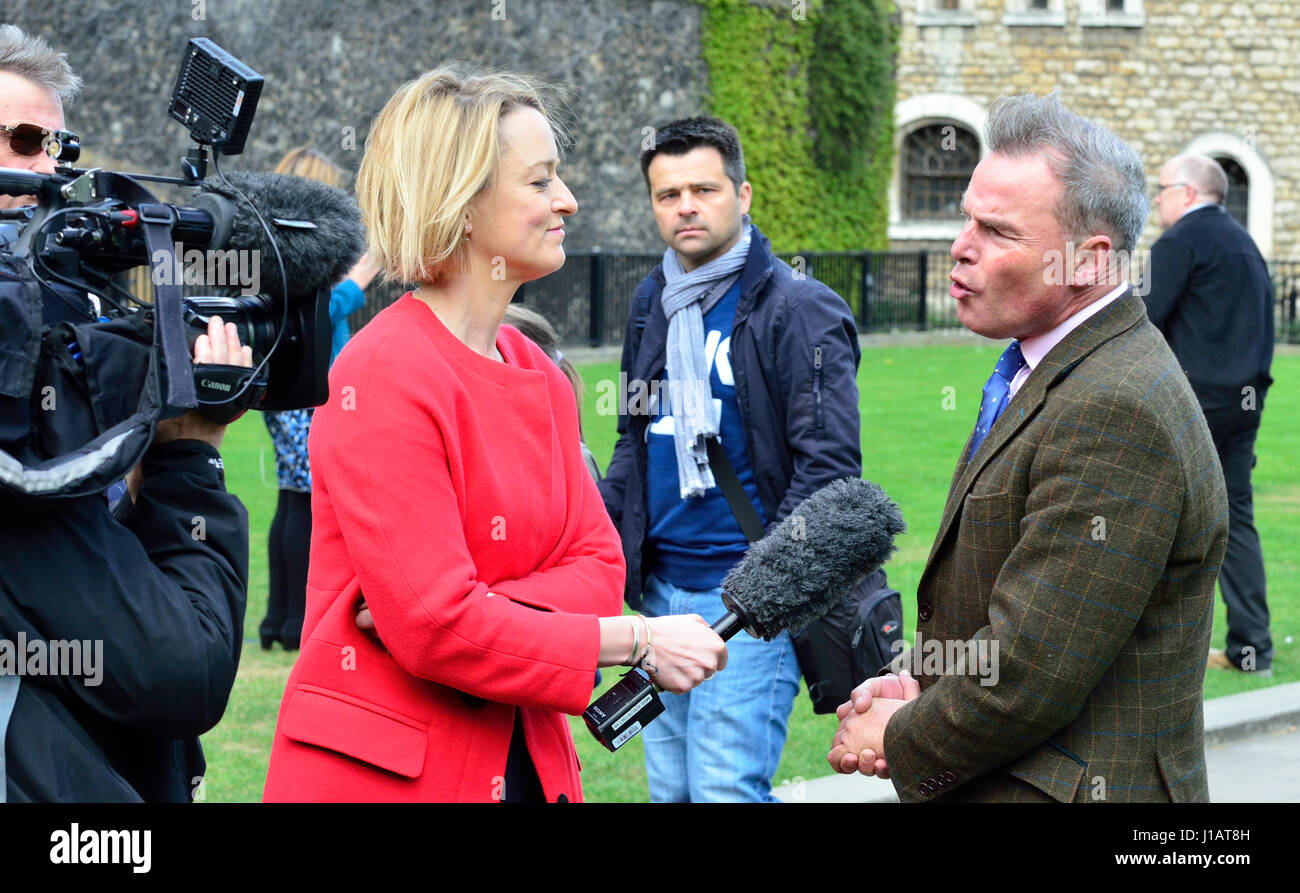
x=215 y=385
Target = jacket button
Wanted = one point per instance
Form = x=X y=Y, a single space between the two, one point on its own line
x=924 y=611
x=562 y=799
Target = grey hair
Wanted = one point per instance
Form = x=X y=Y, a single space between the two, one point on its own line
x=1104 y=183
x=30 y=57
x=1204 y=173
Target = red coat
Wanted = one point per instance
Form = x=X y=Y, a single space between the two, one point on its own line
x=450 y=489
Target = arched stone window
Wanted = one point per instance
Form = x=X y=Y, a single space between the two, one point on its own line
x=919 y=123
x=937 y=162
x=1255 y=186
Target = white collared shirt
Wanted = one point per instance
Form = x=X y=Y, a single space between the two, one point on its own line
x=1196 y=207
x=1039 y=346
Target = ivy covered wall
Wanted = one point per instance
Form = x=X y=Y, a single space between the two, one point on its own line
x=810 y=87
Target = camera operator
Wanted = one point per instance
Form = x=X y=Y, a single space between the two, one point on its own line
x=149 y=598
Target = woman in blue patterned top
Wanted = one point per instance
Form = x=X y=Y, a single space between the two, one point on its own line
x=290 y=537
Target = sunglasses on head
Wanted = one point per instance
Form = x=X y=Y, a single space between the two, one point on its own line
x=31 y=139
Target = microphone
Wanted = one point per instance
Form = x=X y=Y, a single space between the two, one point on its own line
x=791 y=577
x=317 y=227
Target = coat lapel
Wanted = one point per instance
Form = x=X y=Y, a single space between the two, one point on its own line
x=1124 y=313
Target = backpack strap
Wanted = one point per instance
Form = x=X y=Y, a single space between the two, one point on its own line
x=724 y=475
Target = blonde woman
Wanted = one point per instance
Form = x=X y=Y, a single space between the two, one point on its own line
x=451 y=505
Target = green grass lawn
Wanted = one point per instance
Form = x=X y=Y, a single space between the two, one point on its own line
x=910 y=443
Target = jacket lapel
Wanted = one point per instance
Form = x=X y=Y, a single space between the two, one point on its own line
x=1124 y=313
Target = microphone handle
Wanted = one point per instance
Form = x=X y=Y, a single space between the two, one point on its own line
x=728 y=625
x=624 y=710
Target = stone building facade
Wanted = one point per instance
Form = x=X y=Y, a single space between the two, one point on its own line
x=621 y=66
x=1169 y=76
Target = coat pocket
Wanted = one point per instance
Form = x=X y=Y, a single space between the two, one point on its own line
x=1052 y=771
x=1183 y=774
x=354 y=728
x=989 y=531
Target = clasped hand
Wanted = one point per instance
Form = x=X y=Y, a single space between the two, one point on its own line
x=859 y=743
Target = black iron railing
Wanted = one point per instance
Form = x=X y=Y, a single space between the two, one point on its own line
x=589 y=299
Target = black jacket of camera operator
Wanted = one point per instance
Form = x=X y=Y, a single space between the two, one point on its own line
x=159 y=590
x=120 y=633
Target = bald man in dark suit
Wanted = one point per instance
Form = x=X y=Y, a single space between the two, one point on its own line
x=1211 y=296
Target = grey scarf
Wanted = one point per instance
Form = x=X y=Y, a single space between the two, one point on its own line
x=686 y=298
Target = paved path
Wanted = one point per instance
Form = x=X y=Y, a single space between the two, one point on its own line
x=1258 y=770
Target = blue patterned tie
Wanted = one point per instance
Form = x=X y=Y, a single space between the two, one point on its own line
x=996 y=393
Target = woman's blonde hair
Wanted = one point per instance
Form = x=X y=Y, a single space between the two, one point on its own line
x=305 y=161
x=431 y=150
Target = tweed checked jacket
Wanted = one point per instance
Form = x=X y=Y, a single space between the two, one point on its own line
x=1084 y=540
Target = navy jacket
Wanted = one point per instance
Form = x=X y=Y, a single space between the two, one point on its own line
x=162 y=585
x=794 y=354
x=1210 y=295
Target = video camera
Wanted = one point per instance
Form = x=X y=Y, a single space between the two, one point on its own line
x=86 y=367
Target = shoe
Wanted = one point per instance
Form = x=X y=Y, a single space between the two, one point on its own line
x=268 y=635
x=291 y=635
x=1218 y=660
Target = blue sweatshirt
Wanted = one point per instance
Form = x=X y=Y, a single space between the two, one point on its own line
x=694 y=542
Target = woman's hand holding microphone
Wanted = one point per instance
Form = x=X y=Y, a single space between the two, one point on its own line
x=677 y=652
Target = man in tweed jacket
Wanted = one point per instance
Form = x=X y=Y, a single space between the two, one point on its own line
x=1081 y=540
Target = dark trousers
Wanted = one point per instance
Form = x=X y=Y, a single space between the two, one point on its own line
x=1242 y=576
x=288 y=548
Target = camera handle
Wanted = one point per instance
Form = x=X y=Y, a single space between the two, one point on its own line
x=216 y=383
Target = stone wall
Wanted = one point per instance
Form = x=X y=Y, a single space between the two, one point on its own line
x=1209 y=74
x=331 y=64
x=1222 y=76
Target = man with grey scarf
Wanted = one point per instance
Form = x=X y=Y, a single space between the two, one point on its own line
x=732 y=346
